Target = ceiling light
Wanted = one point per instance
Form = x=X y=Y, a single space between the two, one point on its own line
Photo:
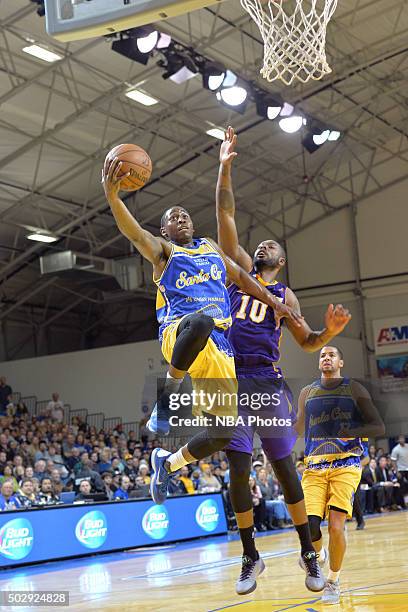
x=230 y=79
x=213 y=75
x=268 y=106
x=235 y=97
x=146 y=44
x=40 y=237
x=334 y=135
x=141 y=97
x=287 y=110
x=321 y=138
x=180 y=66
x=216 y=133
x=137 y=44
x=164 y=41
x=290 y=125
x=41 y=53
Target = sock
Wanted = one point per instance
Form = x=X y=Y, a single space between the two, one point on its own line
x=333 y=576
x=172 y=384
x=176 y=461
x=304 y=537
x=322 y=554
x=247 y=535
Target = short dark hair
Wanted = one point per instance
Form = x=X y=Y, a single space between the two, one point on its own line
x=164 y=215
x=339 y=351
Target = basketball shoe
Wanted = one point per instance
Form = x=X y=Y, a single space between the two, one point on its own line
x=331 y=593
x=160 y=479
x=314 y=580
x=246 y=582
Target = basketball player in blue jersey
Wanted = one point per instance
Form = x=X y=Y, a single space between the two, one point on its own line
x=193 y=311
x=329 y=409
x=255 y=337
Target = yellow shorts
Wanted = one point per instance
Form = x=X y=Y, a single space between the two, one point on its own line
x=213 y=371
x=330 y=487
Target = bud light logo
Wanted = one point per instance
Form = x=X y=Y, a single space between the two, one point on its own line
x=155 y=522
x=16 y=539
x=92 y=529
x=207 y=515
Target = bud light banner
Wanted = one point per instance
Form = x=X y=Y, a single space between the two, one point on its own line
x=391 y=335
x=30 y=536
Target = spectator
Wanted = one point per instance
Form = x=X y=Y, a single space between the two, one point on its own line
x=105 y=462
x=140 y=489
x=21 y=410
x=8 y=475
x=399 y=457
x=258 y=505
x=8 y=500
x=39 y=469
x=208 y=482
x=26 y=494
x=123 y=491
x=85 y=490
x=276 y=510
x=372 y=452
x=195 y=478
x=5 y=392
x=107 y=480
x=83 y=470
x=19 y=473
x=42 y=452
x=144 y=473
x=73 y=459
x=300 y=468
x=68 y=445
x=29 y=472
x=47 y=496
x=384 y=479
x=55 y=408
x=186 y=482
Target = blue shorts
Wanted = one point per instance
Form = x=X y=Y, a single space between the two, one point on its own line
x=273 y=420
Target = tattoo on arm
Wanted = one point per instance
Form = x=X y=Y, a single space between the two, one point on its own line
x=226 y=200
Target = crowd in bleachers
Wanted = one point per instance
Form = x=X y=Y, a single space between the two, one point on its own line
x=45 y=461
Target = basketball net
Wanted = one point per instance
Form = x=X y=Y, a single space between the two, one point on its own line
x=294 y=36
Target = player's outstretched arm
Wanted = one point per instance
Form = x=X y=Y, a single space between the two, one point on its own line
x=225 y=204
x=336 y=319
x=250 y=285
x=153 y=248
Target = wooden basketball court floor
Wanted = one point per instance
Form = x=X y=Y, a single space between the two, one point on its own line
x=199 y=576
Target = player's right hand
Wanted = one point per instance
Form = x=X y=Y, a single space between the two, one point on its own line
x=111 y=180
x=284 y=311
x=227 y=149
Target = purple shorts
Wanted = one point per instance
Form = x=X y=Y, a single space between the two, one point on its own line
x=265 y=407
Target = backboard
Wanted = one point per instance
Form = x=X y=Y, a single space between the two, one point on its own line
x=78 y=19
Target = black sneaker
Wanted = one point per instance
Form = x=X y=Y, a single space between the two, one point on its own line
x=314 y=581
x=246 y=582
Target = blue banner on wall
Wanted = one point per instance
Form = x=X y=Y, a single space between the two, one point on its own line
x=30 y=536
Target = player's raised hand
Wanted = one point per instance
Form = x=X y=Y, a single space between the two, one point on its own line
x=111 y=180
x=227 y=150
x=284 y=311
x=336 y=318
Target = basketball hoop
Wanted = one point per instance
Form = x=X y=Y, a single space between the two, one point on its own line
x=294 y=36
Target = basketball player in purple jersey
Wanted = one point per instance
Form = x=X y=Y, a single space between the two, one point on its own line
x=255 y=336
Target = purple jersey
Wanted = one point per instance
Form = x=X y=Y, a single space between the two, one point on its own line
x=254 y=336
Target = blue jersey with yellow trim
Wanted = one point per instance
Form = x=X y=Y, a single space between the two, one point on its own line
x=254 y=335
x=327 y=409
x=193 y=280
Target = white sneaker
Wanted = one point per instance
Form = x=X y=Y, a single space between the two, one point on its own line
x=323 y=557
x=246 y=582
x=331 y=593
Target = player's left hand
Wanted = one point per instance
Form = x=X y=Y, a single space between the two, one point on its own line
x=336 y=318
x=227 y=149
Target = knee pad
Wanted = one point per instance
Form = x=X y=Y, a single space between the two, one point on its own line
x=288 y=479
x=201 y=325
x=314 y=525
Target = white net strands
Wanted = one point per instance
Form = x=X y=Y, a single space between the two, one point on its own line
x=294 y=37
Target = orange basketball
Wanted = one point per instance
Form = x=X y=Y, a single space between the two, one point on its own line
x=134 y=160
